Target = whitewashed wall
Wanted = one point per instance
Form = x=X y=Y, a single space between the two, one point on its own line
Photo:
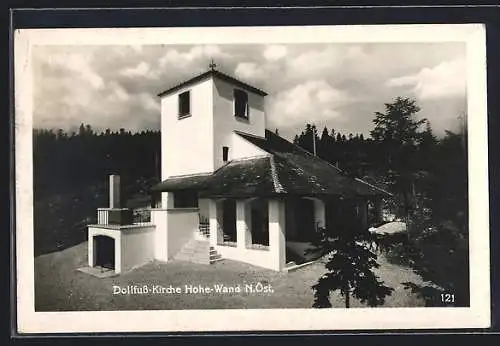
x=137 y=247
x=159 y=219
x=187 y=144
x=193 y=145
x=241 y=148
x=225 y=122
x=134 y=246
x=261 y=258
x=181 y=227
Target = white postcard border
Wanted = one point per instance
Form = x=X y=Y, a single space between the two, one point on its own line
x=476 y=316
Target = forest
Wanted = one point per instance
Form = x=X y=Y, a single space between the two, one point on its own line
x=426 y=173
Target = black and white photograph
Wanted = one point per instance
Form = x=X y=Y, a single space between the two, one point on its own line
x=278 y=178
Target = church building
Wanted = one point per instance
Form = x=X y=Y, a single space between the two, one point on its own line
x=230 y=188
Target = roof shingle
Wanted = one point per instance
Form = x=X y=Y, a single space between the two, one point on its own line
x=288 y=170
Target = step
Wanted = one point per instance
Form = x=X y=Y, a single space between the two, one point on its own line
x=198 y=250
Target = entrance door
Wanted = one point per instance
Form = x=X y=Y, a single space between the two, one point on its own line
x=105 y=251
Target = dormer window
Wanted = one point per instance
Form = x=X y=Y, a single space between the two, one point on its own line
x=241 y=108
x=184 y=104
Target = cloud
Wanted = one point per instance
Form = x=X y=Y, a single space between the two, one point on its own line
x=140 y=70
x=253 y=72
x=249 y=70
x=275 y=52
x=316 y=98
x=77 y=64
x=327 y=59
x=444 y=80
x=310 y=63
x=197 y=55
x=334 y=85
x=71 y=88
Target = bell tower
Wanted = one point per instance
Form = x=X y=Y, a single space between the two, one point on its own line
x=198 y=120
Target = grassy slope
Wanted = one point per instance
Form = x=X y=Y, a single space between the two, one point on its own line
x=61 y=219
x=59 y=287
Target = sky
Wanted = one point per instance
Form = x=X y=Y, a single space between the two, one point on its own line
x=340 y=86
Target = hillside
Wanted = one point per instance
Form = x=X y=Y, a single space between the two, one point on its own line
x=61 y=218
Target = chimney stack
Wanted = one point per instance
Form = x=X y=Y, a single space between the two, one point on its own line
x=114 y=191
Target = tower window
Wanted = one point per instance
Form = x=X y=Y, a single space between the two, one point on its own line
x=225 y=153
x=184 y=104
x=241 y=104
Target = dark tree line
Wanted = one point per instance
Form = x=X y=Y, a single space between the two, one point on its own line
x=350 y=150
x=405 y=156
x=65 y=161
x=428 y=176
x=70 y=178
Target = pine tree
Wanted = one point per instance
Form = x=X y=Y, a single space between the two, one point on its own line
x=324 y=134
x=324 y=144
x=81 y=130
x=350 y=263
x=427 y=137
x=332 y=135
x=397 y=132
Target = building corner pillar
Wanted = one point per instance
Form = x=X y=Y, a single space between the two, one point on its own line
x=159 y=218
x=213 y=223
x=90 y=251
x=241 y=224
x=277 y=240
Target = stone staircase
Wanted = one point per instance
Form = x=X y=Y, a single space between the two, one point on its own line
x=198 y=250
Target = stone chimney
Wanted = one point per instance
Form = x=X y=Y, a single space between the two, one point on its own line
x=116 y=214
x=114 y=191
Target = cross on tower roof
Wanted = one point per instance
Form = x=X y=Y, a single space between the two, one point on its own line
x=212 y=65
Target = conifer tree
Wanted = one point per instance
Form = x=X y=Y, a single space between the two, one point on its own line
x=397 y=131
x=350 y=263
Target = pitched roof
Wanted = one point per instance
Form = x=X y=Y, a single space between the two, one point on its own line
x=216 y=74
x=237 y=178
x=288 y=170
x=301 y=172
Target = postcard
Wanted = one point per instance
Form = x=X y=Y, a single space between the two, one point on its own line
x=240 y=179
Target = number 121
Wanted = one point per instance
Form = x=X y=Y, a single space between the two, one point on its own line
x=447 y=298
